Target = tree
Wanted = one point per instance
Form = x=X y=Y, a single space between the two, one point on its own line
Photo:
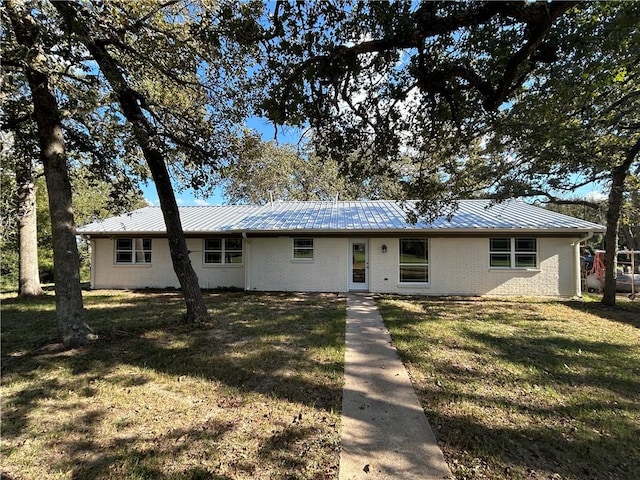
x=8 y=214
x=29 y=276
x=385 y=80
x=94 y=149
x=578 y=122
x=429 y=78
x=630 y=215
x=70 y=315
x=152 y=147
x=19 y=155
x=265 y=171
x=172 y=69
x=19 y=216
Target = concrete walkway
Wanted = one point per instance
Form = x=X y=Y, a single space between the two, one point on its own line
x=385 y=434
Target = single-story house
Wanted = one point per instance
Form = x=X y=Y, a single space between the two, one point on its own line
x=510 y=248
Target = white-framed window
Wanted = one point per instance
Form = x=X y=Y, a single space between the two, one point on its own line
x=303 y=248
x=513 y=252
x=133 y=251
x=414 y=260
x=218 y=251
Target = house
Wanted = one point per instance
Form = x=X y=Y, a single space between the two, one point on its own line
x=510 y=248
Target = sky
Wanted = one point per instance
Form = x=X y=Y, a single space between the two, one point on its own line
x=188 y=197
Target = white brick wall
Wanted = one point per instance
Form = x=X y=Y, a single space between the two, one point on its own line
x=457 y=266
x=106 y=274
x=461 y=266
x=271 y=266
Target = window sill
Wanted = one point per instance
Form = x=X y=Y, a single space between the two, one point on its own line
x=223 y=265
x=513 y=269
x=302 y=260
x=129 y=265
x=414 y=285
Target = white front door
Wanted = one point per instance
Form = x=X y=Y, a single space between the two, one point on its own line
x=359 y=271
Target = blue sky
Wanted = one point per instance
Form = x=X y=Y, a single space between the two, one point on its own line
x=188 y=198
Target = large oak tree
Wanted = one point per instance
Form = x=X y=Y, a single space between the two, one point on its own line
x=169 y=83
x=176 y=71
x=577 y=122
x=390 y=80
x=431 y=80
x=72 y=327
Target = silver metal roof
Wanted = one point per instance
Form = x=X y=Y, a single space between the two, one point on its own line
x=344 y=216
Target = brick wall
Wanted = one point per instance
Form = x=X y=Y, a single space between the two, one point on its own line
x=457 y=266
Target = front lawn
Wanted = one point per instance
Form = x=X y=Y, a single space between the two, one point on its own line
x=254 y=394
x=525 y=389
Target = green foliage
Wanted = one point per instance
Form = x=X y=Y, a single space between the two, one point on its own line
x=185 y=60
x=92 y=201
x=265 y=171
x=381 y=81
x=186 y=63
x=577 y=119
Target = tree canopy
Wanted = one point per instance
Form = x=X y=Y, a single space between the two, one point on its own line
x=384 y=80
x=485 y=98
x=431 y=100
x=157 y=81
x=266 y=171
x=577 y=122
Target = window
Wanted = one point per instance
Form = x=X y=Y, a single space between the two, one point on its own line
x=414 y=260
x=303 y=248
x=223 y=251
x=513 y=253
x=133 y=250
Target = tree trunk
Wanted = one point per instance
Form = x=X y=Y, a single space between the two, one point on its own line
x=70 y=315
x=29 y=276
x=152 y=147
x=618 y=177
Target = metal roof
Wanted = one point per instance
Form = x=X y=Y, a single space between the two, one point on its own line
x=343 y=216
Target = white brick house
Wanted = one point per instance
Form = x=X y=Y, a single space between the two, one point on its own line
x=510 y=248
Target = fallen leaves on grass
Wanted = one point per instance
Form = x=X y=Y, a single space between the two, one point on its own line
x=154 y=398
x=525 y=388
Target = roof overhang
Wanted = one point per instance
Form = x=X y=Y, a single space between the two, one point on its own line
x=430 y=232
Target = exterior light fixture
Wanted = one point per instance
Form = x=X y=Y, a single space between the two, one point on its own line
x=384 y=249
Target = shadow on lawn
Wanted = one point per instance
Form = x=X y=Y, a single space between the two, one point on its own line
x=238 y=349
x=548 y=405
x=86 y=459
x=624 y=312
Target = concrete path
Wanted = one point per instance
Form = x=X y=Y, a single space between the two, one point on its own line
x=385 y=434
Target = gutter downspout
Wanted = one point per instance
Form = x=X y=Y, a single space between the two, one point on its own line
x=576 y=261
x=247 y=255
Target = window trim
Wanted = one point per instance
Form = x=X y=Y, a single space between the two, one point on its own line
x=223 y=252
x=400 y=264
x=134 y=251
x=513 y=254
x=311 y=249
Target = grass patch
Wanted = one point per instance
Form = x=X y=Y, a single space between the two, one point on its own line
x=255 y=394
x=525 y=388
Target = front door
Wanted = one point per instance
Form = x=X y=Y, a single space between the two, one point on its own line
x=359 y=274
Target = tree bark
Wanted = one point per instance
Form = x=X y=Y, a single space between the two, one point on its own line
x=29 y=276
x=70 y=315
x=618 y=178
x=152 y=147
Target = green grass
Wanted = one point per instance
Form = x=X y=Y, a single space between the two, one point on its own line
x=254 y=394
x=526 y=388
